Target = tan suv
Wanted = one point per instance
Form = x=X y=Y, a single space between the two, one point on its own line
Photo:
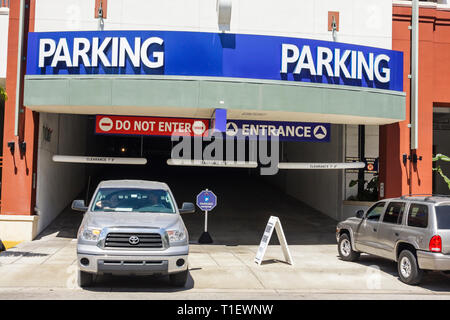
x=413 y=231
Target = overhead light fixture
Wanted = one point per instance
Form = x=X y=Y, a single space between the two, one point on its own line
x=11 y=146
x=22 y=147
x=333 y=23
x=100 y=10
x=100 y=14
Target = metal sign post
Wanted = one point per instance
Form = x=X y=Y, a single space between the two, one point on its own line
x=206 y=201
x=206 y=222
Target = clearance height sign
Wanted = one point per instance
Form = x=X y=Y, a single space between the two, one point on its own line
x=152 y=126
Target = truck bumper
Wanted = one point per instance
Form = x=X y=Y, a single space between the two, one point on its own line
x=172 y=260
x=132 y=265
x=433 y=261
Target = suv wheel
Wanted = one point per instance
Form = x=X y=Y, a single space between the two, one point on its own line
x=85 y=279
x=408 y=269
x=178 y=279
x=345 y=249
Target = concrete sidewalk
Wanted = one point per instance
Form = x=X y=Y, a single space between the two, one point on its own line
x=215 y=271
x=46 y=267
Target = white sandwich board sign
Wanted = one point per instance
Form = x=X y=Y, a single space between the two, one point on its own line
x=273 y=223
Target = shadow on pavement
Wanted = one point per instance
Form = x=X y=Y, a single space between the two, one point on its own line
x=21 y=254
x=107 y=283
x=432 y=280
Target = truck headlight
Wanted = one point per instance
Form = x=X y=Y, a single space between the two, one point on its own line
x=90 y=234
x=176 y=235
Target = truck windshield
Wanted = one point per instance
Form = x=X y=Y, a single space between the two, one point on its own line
x=133 y=200
x=443 y=216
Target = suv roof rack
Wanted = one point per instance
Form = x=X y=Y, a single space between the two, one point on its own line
x=415 y=195
x=426 y=195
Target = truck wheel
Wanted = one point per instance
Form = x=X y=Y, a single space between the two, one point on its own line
x=408 y=268
x=178 y=279
x=85 y=279
x=345 y=249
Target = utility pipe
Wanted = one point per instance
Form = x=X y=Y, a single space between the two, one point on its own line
x=415 y=75
x=19 y=67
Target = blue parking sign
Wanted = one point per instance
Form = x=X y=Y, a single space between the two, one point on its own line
x=206 y=200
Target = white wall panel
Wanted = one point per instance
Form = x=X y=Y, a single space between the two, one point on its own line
x=4 y=22
x=367 y=22
x=59 y=183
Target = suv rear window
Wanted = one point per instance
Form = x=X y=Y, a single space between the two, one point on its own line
x=418 y=215
x=443 y=216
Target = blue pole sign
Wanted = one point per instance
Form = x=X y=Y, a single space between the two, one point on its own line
x=286 y=131
x=206 y=200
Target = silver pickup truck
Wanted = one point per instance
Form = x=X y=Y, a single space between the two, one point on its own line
x=132 y=227
x=413 y=231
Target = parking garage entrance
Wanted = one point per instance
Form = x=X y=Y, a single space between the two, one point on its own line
x=246 y=199
x=73 y=76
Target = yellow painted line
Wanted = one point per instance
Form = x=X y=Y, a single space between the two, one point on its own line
x=10 y=244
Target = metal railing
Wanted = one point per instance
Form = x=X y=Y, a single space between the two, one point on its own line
x=4 y=3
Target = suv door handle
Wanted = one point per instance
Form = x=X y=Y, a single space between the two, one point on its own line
x=375 y=229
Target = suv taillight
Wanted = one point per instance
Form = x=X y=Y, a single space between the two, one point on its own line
x=436 y=244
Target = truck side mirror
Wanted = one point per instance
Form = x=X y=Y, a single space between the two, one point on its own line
x=79 y=205
x=187 y=207
x=360 y=214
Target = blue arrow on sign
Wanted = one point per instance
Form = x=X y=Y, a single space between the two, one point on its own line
x=206 y=200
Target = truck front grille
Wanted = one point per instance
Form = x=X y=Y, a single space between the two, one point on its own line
x=128 y=240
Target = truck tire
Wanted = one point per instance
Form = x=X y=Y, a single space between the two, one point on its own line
x=408 y=268
x=85 y=279
x=178 y=279
x=345 y=249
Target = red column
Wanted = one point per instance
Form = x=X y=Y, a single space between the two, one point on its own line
x=434 y=77
x=394 y=138
x=18 y=192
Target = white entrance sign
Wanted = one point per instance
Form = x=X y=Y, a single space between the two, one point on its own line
x=273 y=223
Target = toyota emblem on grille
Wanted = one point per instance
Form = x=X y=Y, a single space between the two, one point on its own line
x=133 y=240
